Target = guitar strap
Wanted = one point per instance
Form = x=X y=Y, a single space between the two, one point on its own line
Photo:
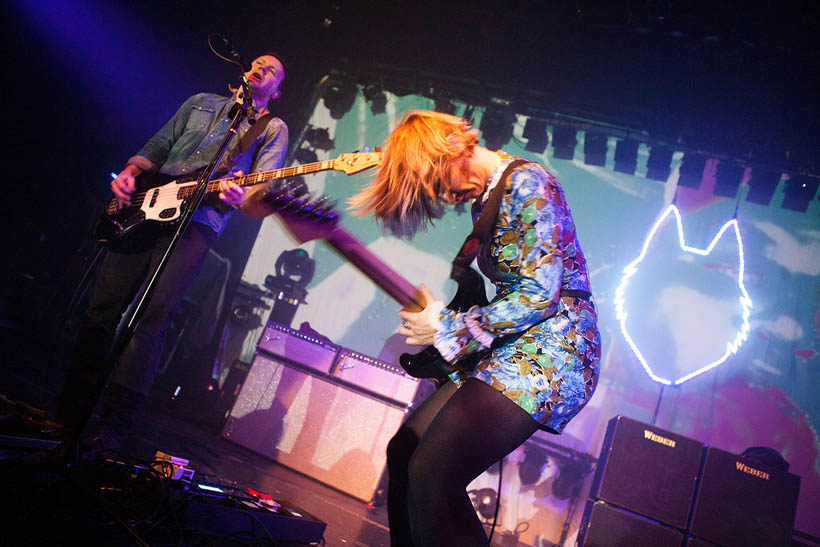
x=461 y=263
x=230 y=159
x=244 y=145
x=482 y=226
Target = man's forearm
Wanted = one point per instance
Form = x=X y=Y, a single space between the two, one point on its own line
x=140 y=164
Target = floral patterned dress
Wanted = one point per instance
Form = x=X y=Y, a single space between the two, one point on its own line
x=539 y=348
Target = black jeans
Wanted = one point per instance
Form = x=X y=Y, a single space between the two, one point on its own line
x=122 y=276
x=453 y=437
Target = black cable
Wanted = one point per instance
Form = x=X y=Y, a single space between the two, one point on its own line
x=219 y=510
x=254 y=518
x=225 y=40
x=236 y=59
x=151 y=503
x=497 y=502
x=150 y=490
x=737 y=204
x=106 y=506
x=657 y=406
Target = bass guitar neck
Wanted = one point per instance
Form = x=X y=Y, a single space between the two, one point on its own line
x=161 y=198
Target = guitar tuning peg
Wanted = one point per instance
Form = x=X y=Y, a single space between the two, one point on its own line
x=329 y=216
x=325 y=202
x=326 y=209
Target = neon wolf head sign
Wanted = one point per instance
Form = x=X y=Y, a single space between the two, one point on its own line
x=630 y=270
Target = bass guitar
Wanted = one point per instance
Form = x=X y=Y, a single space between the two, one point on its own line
x=161 y=198
x=426 y=364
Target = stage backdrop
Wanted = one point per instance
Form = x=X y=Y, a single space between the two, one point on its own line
x=679 y=307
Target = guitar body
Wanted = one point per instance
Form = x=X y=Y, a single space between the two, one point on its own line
x=158 y=198
x=428 y=363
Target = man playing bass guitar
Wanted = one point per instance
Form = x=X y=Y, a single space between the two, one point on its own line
x=184 y=145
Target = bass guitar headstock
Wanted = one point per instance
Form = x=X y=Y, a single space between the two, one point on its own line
x=354 y=162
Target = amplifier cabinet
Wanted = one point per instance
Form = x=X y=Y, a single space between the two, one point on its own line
x=648 y=470
x=740 y=502
x=316 y=426
x=298 y=347
x=378 y=377
x=607 y=526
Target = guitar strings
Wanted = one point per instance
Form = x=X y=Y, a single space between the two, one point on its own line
x=139 y=197
x=321 y=208
x=246 y=180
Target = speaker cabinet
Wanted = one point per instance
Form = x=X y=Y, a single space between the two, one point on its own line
x=742 y=503
x=326 y=430
x=607 y=526
x=648 y=470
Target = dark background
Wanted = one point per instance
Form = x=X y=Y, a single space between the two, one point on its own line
x=89 y=81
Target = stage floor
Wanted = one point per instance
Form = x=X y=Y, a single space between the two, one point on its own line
x=46 y=509
x=42 y=513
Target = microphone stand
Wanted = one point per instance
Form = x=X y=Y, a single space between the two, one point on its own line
x=238 y=112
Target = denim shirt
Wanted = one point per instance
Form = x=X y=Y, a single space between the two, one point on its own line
x=188 y=141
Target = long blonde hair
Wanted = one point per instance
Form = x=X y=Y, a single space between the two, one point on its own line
x=422 y=156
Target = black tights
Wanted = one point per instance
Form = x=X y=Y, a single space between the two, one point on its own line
x=453 y=437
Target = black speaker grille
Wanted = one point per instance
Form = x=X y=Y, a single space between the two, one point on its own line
x=742 y=503
x=607 y=526
x=648 y=470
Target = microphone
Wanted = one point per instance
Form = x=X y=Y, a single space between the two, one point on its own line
x=244 y=97
x=246 y=100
